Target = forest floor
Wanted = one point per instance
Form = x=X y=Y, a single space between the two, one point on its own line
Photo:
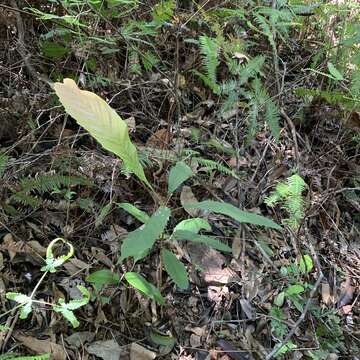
x=241 y=305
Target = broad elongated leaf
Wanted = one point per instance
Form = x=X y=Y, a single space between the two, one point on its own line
x=162 y=340
x=134 y=211
x=103 y=277
x=208 y=240
x=306 y=264
x=102 y=122
x=178 y=174
x=175 y=268
x=138 y=242
x=334 y=72
x=294 y=290
x=193 y=225
x=141 y=284
x=234 y=212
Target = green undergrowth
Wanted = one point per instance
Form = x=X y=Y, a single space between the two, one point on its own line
x=237 y=54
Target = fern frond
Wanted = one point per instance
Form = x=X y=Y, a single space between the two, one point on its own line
x=296 y=185
x=134 y=62
x=332 y=97
x=3 y=162
x=210 y=49
x=289 y=194
x=46 y=183
x=272 y=118
x=230 y=102
x=252 y=123
x=163 y=12
x=26 y=199
x=265 y=28
x=215 y=165
x=149 y=60
x=259 y=93
x=249 y=70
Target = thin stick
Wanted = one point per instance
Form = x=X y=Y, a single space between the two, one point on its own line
x=298 y=322
x=293 y=133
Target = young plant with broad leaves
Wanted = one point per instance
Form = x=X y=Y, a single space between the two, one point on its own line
x=66 y=309
x=107 y=127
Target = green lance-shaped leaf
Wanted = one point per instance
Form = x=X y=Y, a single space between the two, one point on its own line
x=334 y=72
x=234 y=212
x=135 y=212
x=138 y=242
x=207 y=240
x=141 y=284
x=193 y=225
x=102 y=122
x=175 y=268
x=103 y=277
x=178 y=174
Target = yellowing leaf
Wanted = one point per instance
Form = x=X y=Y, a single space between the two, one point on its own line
x=102 y=122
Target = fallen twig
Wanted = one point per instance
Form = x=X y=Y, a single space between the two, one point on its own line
x=294 y=136
x=298 y=322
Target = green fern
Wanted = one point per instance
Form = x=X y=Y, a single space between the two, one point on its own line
x=46 y=183
x=42 y=184
x=210 y=51
x=272 y=117
x=3 y=162
x=26 y=199
x=163 y=12
x=251 y=69
x=349 y=102
x=134 y=62
x=260 y=102
x=212 y=165
x=149 y=60
x=265 y=28
x=289 y=194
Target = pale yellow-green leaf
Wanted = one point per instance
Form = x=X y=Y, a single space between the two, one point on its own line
x=102 y=122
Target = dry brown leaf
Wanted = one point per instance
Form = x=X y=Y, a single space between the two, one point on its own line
x=188 y=197
x=108 y=350
x=37 y=247
x=353 y=122
x=131 y=124
x=41 y=346
x=138 y=352
x=195 y=341
x=199 y=331
x=347 y=293
x=345 y=310
x=211 y=262
x=79 y=264
x=159 y=140
x=326 y=295
x=10 y=245
x=78 y=339
x=247 y=308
